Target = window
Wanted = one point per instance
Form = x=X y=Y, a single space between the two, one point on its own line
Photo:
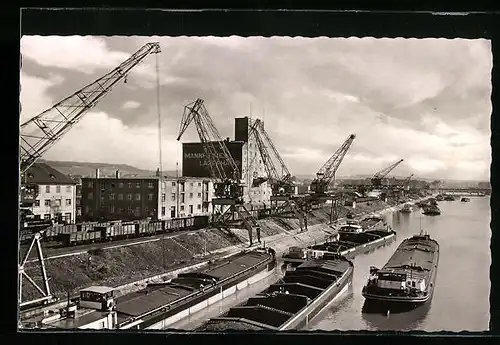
x=103 y=185
x=199 y=184
x=112 y=209
x=163 y=197
x=68 y=202
x=91 y=196
x=150 y=197
x=112 y=185
x=111 y=196
x=37 y=203
x=137 y=212
x=182 y=207
x=163 y=210
x=47 y=202
x=190 y=209
x=120 y=196
x=47 y=189
x=46 y=216
x=137 y=196
x=191 y=184
x=120 y=185
x=182 y=187
x=129 y=209
x=67 y=217
x=68 y=189
x=58 y=202
x=130 y=185
x=198 y=207
x=90 y=184
x=58 y=189
x=190 y=195
x=182 y=197
x=163 y=185
x=121 y=210
x=150 y=185
x=129 y=196
x=173 y=184
x=199 y=195
x=137 y=185
x=173 y=196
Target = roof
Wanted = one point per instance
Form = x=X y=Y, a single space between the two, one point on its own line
x=99 y=289
x=79 y=321
x=42 y=173
x=138 y=177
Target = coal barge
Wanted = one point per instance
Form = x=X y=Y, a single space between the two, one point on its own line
x=348 y=244
x=293 y=302
x=160 y=305
x=407 y=280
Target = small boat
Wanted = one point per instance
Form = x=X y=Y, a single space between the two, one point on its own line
x=431 y=210
x=407 y=208
x=465 y=200
x=374 y=222
x=294 y=301
x=408 y=278
x=449 y=198
x=439 y=197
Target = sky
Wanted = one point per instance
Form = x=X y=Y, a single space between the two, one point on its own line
x=426 y=101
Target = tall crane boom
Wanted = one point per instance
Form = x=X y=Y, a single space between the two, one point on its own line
x=377 y=178
x=216 y=151
x=280 y=182
x=326 y=174
x=41 y=132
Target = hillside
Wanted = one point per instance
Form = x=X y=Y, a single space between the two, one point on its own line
x=88 y=169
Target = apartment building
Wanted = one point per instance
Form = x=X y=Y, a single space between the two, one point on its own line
x=132 y=198
x=56 y=197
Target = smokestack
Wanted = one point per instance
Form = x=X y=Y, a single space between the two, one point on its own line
x=227 y=139
x=97 y=173
x=117 y=174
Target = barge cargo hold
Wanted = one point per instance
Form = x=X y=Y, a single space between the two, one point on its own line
x=160 y=305
x=293 y=302
x=348 y=245
x=407 y=280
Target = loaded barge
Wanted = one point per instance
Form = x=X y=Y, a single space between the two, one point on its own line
x=407 y=279
x=293 y=302
x=348 y=244
x=159 y=305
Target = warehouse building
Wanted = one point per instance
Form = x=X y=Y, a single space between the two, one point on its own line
x=132 y=198
x=56 y=197
x=245 y=153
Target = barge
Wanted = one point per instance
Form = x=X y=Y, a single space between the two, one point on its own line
x=465 y=199
x=292 y=303
x=407 y=280
x=407 y=208
x=373 y=222
x=348 y=245
x=431 y=210
x=449 y=197
x=161 y=304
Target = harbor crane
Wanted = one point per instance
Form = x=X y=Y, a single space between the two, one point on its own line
x=41 y=132
x=282 y=186
x=376 y=180
x=224 y=171
x=326 y=175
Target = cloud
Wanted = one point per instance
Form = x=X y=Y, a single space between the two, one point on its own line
x=131 y=105
x=427 y=101
x=33 y=97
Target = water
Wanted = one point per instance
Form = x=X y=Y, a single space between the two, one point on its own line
x=461 y=296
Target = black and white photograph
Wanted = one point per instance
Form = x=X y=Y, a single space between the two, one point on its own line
x=210 y=184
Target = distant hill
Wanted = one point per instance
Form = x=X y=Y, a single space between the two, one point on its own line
x=88 y=169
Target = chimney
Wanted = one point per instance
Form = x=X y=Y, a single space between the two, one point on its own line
x=97 y=173
x=157 y=172
x=117 y=174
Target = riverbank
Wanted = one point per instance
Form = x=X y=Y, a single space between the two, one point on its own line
x=129 y=268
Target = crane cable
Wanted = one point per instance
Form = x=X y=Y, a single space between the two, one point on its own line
x=159 y=112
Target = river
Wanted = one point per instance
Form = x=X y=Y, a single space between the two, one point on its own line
x=461 y=297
